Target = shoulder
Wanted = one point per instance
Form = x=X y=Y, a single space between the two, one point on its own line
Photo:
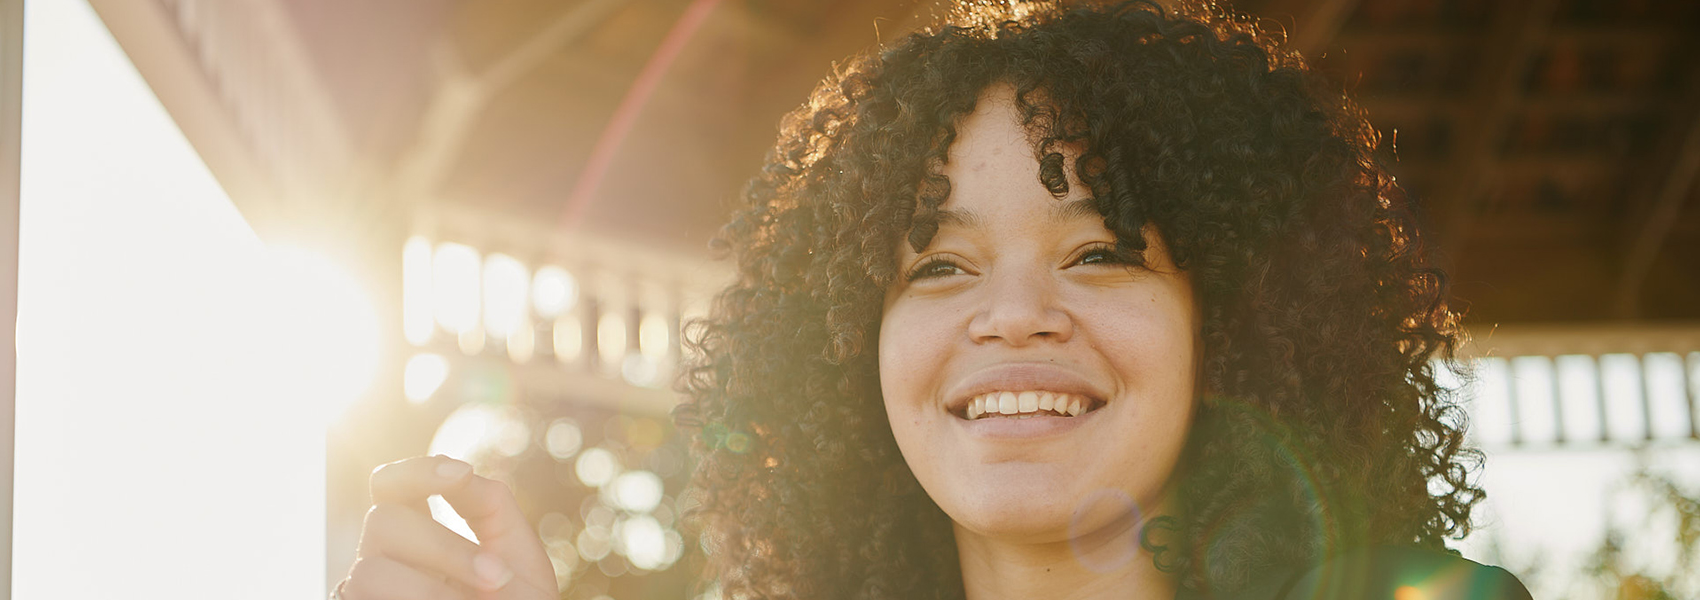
x=1388 y=572
x=1401 y=572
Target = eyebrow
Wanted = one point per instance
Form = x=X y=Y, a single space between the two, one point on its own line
x=1061 y=212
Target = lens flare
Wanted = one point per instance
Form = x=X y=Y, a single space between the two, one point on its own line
x=1280 y=440
x=1090 y=550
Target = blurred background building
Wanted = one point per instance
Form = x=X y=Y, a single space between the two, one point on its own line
x=526 y=189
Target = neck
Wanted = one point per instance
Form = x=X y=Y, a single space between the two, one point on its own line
x=1108 y=563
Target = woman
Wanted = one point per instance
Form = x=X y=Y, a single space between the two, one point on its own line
x=1050 y=303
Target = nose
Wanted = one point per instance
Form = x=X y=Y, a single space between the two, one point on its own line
x=1019 y=309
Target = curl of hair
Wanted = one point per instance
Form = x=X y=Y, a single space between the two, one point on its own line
x=1322 y=425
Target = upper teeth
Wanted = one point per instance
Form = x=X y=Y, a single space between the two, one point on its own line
x=1026 y=404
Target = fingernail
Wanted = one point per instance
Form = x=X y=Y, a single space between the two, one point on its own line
x=492 y=574
x=453 y=469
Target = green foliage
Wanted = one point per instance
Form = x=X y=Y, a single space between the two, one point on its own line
x=1667 y=503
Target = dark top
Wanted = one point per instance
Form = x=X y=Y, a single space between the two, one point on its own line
x=1385 y=573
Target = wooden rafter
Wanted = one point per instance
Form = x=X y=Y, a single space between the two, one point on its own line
x=1655 y=218
x=460 y=97
x=1513 y=41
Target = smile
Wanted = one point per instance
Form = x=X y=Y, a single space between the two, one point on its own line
x=1026 y=405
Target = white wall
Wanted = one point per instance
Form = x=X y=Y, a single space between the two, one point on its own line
x=170 y=414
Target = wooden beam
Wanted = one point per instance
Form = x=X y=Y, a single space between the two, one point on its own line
x=1512 y=42
x=1657 y=203
x=460 y=96
x=1654 y=227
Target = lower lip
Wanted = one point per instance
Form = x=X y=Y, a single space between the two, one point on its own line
x=1009 y=428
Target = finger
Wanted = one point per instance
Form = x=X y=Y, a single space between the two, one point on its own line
x=521 y=590
x=379 y=578
x=409 y=482
x=490 y=509
x=415 y=540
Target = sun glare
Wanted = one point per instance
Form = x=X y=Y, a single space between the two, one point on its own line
x=330 y=329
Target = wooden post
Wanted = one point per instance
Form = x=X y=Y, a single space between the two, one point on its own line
x=11 y=113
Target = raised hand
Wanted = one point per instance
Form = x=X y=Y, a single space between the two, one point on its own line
x=405 y=555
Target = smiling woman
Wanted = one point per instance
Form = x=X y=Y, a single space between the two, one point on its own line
x=1076 y=303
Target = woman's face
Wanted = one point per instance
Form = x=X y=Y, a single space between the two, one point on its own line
x=1019 y=306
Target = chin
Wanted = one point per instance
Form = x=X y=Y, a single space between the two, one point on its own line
x=1010 y=506
x=1021 y=505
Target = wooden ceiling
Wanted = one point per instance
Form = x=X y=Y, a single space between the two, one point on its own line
x=1551 y=144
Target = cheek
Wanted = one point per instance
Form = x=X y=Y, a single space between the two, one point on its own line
x=912 y=347
x=1154 y=352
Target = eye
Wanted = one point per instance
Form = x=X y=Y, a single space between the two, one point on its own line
x=934 y=268
x=1101 y=254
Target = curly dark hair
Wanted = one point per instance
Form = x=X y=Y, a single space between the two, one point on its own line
x=1322 y=425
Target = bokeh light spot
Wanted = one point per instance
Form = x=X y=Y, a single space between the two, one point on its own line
x=568 y=338
x=594 y=544
x=611 y=339
x=597 y=466
x=644 y=542
x=640 y=371
x=553 y=291
x=563 y=438
x=655 y=337
x=505 y=288
x=637 y=491
x=455 y=286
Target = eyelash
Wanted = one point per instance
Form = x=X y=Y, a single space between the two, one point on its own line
x=927 y=270
x=931 y=268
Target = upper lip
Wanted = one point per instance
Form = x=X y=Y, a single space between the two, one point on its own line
x=1020 y=377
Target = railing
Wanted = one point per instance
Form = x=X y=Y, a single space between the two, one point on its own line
x=1586 y=387
x=569 y=316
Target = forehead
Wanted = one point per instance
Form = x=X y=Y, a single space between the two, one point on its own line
x=994 y=173
x=992 y=149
